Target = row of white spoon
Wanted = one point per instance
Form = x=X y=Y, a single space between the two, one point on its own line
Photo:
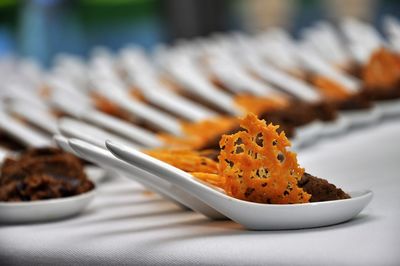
x=182 y=188
x=171 y=101
x=144 y=166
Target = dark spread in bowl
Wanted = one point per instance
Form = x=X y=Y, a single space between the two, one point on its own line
x=42 y=173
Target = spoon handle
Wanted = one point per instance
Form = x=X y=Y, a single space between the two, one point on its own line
x=190 y=79
x=3 y=155
x=62 y=143
x=125 y=129
x=161 y=186
x=177 y=104
x=283 y=80
x=143 y=75
x=22 y=132
x=92 y=134
x=159 y=119
x=317 y=65
x=37 y=116
x=236 y=79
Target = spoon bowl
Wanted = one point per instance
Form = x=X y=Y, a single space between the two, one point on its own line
x=253 y=216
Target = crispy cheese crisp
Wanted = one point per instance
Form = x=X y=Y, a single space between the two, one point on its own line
x=256 y=165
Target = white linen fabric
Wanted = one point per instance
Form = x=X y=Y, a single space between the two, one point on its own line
x=126 y=225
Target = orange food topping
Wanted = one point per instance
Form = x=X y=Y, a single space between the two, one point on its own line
x=186 y=160
x=183 y=142
x=108 y=107
x=213 y=179
x=330 y=89
x=258 y=105
x=197 y=134
x=137 y=94
x=382 y=70
x=256 y=166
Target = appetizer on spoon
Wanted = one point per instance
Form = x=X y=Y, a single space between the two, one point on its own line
x=259 y=183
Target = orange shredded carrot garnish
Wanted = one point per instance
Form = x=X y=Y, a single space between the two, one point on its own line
x=137 y=94
x=212 y=179
x=106 y=106
x=382 y=70
x=184 y=142
x=256 y=165
x=330 y=89
x=186 y=160
x=197 y=134
x=258 y=105
x=207 y=129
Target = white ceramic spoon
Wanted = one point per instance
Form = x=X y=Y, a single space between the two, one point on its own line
x=325 y=40
x=141 y=73
x=33 y=114
x=28 y=135
x=85 y=111
x=391 y=27
x=254 y=216
x=181 y=69
x=100 y=156
x=22 y=132
x=95 y=173
x=314 y=63
x=282 y=45
x=292 y=86
x=233 y=77
x=364 y=47
x=123 y=128
x=166 y=189
x=77 y=129
x=3 y=154
x=355 y=118
x=275 y=76
x=363 y=39
x=139 y=109
x=346 y=118
x=19 y=90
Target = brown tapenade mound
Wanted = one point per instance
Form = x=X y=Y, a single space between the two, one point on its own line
x=376 y=94
x=357 y=101
x=297 y=114
x=43 y=173
x=320 y=189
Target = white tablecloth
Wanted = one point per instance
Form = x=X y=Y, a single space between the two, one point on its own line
x=126 y=225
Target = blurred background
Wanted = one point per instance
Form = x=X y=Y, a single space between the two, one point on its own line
x=41 y=29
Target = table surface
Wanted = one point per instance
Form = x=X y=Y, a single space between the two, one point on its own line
x=127 y=225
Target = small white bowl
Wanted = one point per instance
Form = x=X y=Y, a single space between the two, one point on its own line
x=44 y=210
